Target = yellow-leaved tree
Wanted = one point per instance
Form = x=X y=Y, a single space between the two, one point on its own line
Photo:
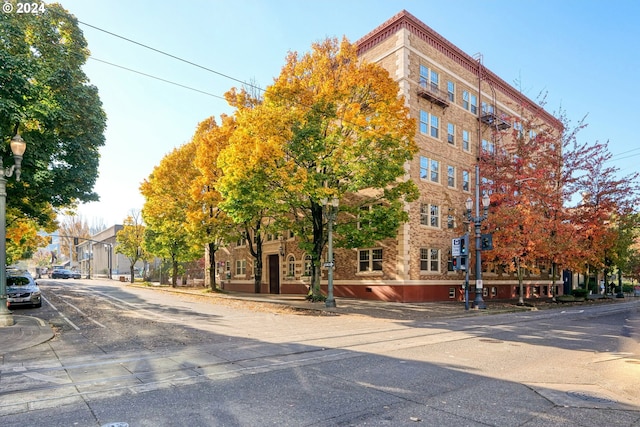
x=207 y=222
x=167 y=201
x=331 y=126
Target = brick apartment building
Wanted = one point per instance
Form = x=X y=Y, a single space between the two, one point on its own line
x=441 y=86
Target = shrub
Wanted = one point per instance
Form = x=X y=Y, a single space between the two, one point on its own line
x=580 y=293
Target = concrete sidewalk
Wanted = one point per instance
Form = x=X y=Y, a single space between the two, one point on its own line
x=27 y=331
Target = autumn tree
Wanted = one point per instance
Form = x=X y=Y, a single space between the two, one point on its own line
x=250 y=182
x=607 y=199
x=167 y=201
x=130 y=240
x=47 y=98
x=209 y=224
x=331 y=126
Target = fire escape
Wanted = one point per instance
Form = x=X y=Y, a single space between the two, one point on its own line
x=430 y=92
x=493 y=117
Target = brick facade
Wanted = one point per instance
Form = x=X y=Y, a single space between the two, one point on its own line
x=443 y=170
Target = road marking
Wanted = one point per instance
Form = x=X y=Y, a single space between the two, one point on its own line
x=41 y=377
x=61 y=315
x=84 y=314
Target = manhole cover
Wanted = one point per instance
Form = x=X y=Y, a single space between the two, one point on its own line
x=588 y=397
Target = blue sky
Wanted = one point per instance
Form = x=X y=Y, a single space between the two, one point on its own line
x=582 y=53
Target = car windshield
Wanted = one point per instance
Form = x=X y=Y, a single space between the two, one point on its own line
x=17 y=281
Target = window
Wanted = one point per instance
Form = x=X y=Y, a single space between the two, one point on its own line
x=451 y=221
x=429 y=260
x=424 y=121
x=452 y=292
x=370 y=260
x=429 y=78
x=451 y=133
x=488 y=146
x=451 y=91
x=465 y=140
x=451 y=176
x=307 y=265
x=429 y=124
x=465 y=180
x=465 y=99
x=241 y=267
x=474 y=104
x=291 y=266
x=242 y=241
x=435 y=126
x=429 y=169
x=429 y=215
x=435 y=171
x=434 y=216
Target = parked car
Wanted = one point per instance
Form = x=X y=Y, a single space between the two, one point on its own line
x=65 y=274
x=22 y=290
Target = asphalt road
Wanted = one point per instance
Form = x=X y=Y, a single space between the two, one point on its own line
x=140 y=357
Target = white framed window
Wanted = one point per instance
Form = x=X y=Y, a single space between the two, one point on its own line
x=465 y=180
x=451 y=222
x=488 y=146
x=452 y=292
x=369 y=260
x=430 y=215
x=466 y=141
x=451 y=176
x=451 y=91
x=451 y=133
x=474 y=104
x=429 y=169
x=429 y=78
x=429 y=124
x=465 y=99
x=291 y=266
x=241 y=267
x=429 y=260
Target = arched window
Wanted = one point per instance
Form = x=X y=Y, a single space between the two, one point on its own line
x=307 y=265
x=291 y=266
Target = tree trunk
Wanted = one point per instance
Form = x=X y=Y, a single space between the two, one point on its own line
x=132 y=271
x=212 y=267
x=174 y=273
x=318 y=245
x=520 y=285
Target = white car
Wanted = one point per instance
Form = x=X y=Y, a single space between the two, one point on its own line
x=22 y=290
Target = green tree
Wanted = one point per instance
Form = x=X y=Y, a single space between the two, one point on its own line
x=167 y=202
x=45 y=95
x=130 y=240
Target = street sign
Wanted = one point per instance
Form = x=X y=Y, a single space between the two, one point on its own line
x=329 y=264
x=455 y=247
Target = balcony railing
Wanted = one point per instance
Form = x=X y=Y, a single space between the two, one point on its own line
x=431 y=93
x=495 y=118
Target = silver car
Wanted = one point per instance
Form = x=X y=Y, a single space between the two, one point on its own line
x=22 y=290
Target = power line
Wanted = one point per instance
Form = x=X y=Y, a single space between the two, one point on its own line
x=172 y=56
x=156 y=78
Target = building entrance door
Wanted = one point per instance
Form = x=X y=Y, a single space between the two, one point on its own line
x=274 y=274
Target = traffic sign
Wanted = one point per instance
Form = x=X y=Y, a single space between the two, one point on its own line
x=329 y=264
x=455 y=247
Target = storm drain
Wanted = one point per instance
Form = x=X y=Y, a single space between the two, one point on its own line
x=588 y=397
x=116 y=424
x=491 y=340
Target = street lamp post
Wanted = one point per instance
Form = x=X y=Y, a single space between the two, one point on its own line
x=17 y=148
x=332 y=212
x=477 y=220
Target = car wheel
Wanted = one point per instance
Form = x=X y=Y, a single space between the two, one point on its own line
x=38 y=305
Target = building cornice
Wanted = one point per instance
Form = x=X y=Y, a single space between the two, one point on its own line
x=405 y=20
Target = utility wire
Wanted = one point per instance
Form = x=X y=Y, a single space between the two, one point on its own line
x=156 y=78
x=172 y=56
